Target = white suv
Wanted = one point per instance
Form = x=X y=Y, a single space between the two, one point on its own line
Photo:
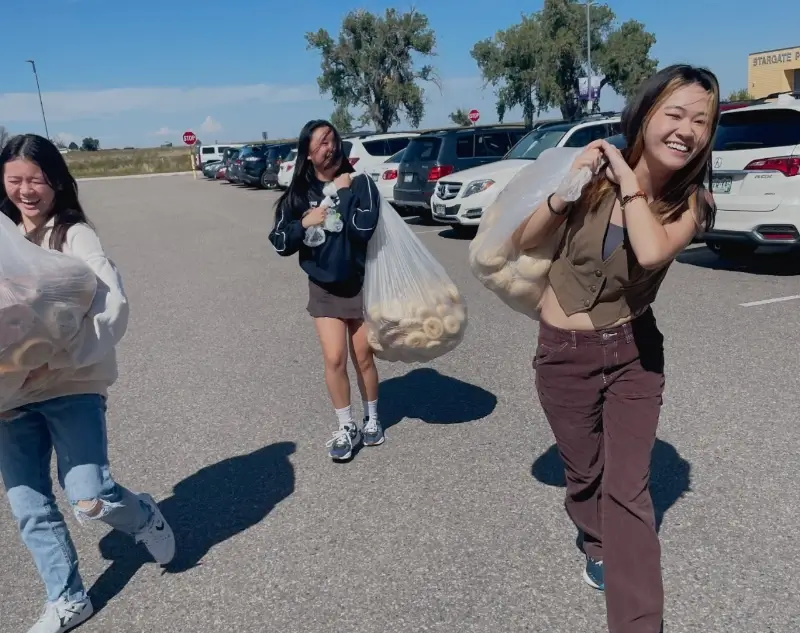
x=460 y=199
x=756 y=178
x=369 y=150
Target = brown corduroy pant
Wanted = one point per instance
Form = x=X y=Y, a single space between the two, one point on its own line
x=601 y=392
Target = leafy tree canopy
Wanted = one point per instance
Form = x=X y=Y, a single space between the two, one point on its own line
x=372 y=67
x=536 y=64
x=460 y=117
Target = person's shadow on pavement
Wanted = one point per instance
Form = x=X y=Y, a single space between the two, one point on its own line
x=670 y=475
x=427 y=395
x=207 y=508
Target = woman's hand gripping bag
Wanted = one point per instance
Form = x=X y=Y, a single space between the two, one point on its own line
x=414 y=311
x=44 y=296
x=519 y=278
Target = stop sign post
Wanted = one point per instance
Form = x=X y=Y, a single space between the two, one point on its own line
x=190 y=139
x=474 y=115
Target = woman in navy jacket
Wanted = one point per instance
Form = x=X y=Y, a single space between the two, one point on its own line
x=335 y=270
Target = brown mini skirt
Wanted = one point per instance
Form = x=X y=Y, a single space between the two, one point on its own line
x=322 y=303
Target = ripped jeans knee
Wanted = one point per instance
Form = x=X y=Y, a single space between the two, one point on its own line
x=95 y=496
x=93 y=509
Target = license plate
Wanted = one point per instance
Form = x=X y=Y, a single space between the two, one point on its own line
x=721 y=185
x=408 y=178
x=438 y=209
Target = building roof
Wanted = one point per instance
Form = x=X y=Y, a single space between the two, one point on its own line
x=774 y=50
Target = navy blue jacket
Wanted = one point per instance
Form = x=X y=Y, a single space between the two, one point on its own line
x=338 y=264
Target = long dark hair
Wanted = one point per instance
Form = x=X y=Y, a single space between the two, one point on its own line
x=67 y=210
x=296 y=195
x=686 y=184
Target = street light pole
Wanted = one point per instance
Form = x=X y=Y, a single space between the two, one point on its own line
x=589 y=41
x=39 y=90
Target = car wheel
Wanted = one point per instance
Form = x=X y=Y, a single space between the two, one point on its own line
x=729 y=250
x=265 y=182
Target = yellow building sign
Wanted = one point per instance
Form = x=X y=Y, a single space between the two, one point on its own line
x=769 y=72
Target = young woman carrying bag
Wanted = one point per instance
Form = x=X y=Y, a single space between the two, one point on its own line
x=335 y=269
x=600 y=360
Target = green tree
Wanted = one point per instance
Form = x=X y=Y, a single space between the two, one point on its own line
x=740 y=95
x=73 y=146
x=342 y=119
x=460 y=117
x=371 y=67
x=509 y=62
x=90 y=144
x=537 y=64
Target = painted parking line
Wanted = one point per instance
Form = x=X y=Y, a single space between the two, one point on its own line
x=750 y=304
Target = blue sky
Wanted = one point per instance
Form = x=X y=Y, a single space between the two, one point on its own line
x=140 y=73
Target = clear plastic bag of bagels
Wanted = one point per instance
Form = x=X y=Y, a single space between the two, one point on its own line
x=519 y=278
x=44 y=297
x=413 y=310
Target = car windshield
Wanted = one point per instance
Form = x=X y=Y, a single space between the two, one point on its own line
x=292 y=156
x=396 y=158
x=756 y=129
x=534 y=143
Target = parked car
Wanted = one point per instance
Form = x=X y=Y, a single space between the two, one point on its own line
x=432 y=156
x=385 y=175
x=286 y=170
x=368 y=150
x=234 y=167
x=272 y=161
x=252 y=157
x=460 y=199
x=211 y=153
x=756 y=178
x=211 y=167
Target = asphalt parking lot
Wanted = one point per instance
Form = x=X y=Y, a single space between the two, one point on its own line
x=456 y=523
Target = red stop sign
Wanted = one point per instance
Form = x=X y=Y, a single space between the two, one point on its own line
x=474 y=115
x=189 y=138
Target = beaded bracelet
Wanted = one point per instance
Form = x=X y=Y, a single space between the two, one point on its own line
x=630 y=198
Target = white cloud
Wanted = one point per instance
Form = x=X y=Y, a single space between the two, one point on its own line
x=210 y=125
x=67 y=138
x=165 y=131
x=75 y=105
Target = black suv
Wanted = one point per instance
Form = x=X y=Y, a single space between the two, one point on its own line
x=261 y=169
x=433 y=155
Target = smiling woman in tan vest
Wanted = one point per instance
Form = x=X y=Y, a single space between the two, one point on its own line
x=600 y=358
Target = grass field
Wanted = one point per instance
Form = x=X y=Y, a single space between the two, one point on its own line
x=132 y=162
x=129 y=162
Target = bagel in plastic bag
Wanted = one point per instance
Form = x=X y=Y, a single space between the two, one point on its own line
x=519 y=278
x=44 y=297
x=413 y=310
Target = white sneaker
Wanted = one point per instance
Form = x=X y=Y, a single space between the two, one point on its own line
x=63 y=615
x=157 y=535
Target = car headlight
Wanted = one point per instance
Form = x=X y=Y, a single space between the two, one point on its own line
x=476 y=186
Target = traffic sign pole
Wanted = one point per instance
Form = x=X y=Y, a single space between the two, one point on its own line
x=190 y=139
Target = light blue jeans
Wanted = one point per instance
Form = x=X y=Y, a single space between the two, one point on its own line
x=75 y=426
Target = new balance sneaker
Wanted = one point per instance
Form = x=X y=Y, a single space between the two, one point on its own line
x=63 y=615
x=373 y=432
x=593 y=573
x=344 y=440
x=157 y=535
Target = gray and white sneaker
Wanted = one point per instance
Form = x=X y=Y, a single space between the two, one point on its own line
x=157 y=535
x=63 y=615
x=344 y=440
x=373 y=432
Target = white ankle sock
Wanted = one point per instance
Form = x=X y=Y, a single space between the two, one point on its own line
x=344 y=416
x=371 y=409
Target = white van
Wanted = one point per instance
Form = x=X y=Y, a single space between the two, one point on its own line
x=210 y=153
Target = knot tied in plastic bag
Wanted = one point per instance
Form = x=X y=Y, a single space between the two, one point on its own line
x=519 y=278
x=44 y=296
x=414 y=311
x=315 y=235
